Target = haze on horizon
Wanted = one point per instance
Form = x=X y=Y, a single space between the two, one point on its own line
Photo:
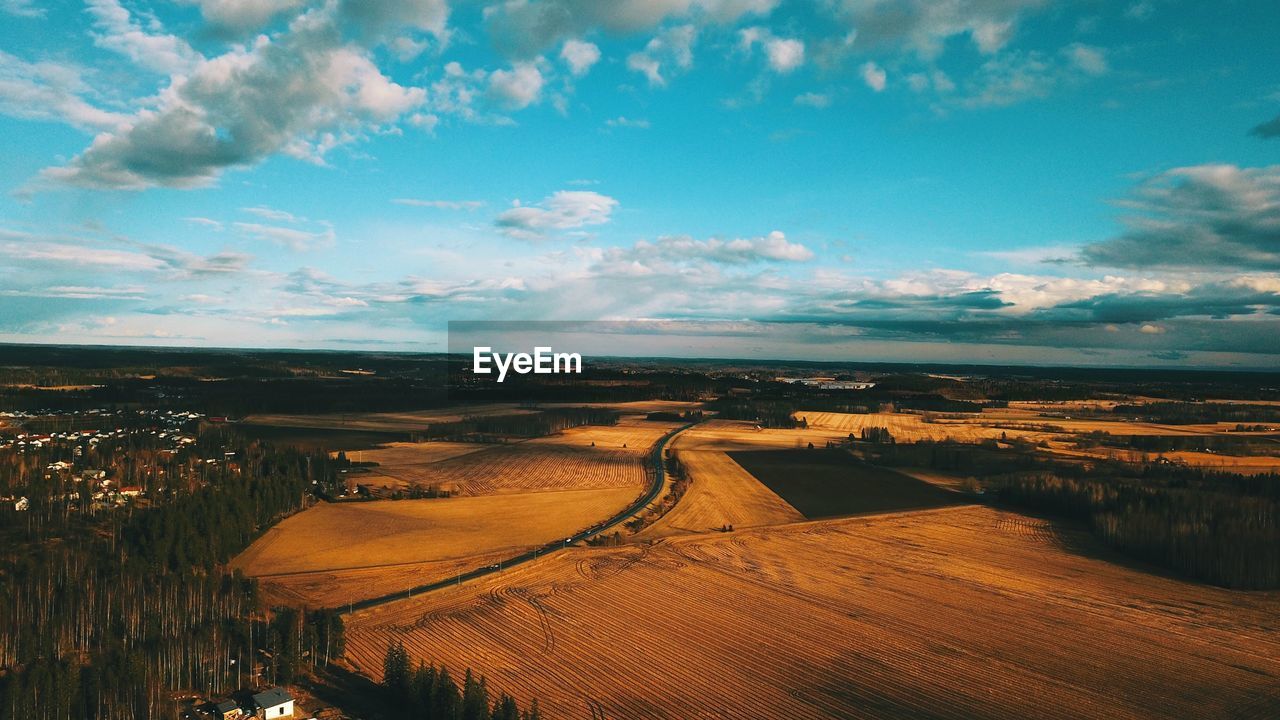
x=995 y=181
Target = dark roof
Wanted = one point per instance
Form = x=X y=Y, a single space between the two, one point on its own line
x=226 y=706
x=271 y=698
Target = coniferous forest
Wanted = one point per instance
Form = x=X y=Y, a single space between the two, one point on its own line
x=105 y=614
x=428 y=692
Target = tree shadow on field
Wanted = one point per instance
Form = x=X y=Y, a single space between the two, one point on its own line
x=353 y=693
x=1076 y=537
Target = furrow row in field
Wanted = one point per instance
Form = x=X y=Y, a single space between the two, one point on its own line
x=946 y=613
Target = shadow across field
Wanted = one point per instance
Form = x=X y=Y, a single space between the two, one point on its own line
x=830 y=483
x=305 y=438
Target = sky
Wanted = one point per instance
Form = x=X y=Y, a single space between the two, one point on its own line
x=1071 y=182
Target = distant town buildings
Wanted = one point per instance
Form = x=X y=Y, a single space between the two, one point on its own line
x=827 y=383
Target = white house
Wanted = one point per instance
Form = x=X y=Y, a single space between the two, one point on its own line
x=273 y=703
x=21 y=504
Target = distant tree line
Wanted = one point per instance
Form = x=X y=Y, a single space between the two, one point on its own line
x=1210 y=531
x=523 y=425
x=763 y=412
x=1188 y=413
x=427 y=692
x=1219 y=443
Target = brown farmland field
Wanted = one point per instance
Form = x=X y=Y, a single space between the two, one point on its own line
x=334 y=552
x=720 y=493
x=406 y=464
x=529 y=467
x=951 y=613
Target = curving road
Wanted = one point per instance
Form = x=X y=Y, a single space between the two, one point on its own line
x=658 y=474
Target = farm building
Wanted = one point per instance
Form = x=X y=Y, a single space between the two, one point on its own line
x=273 y=703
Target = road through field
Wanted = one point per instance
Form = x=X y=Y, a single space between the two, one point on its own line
x=655 y=486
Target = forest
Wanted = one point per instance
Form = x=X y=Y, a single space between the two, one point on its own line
x=105 y=615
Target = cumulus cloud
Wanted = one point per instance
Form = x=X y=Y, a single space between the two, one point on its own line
x=524 y=29
x=1203 y=216
x=301 y=93
x=873 y=75
x=579 y=56
x=924 y=26
x=517 y=88
x=668 y=51
x=151 y=48
x=783 y=54
x=242 y=15
x=564 y=210
x=1013 y=77
x=50 y=91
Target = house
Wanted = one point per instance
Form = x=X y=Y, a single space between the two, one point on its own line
x=227 y=710
x=273 y=703
x=21 y=504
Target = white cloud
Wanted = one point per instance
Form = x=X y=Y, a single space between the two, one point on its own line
x=121 y=255
x=242 y=15
x=267 y=213
x=873 y=75
x=647 y=256
x=626 y=122
x=50 y=91
x=565 y=210
x=669 y=50
x=1091 y=60
x=579 y=56
x=524 y=29
x=292 y=238
x=517 y=88
x=813 y=100
x=784 y=54
x=117 y=31
x=206 y=222
x=441 y=204
x=1013 y=76
x=301 y=93
x=924 y=26
x=21 y=8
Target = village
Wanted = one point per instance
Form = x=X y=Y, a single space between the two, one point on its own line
x=92 y=462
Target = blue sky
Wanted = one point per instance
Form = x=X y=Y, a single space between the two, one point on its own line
x=1076 y=182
